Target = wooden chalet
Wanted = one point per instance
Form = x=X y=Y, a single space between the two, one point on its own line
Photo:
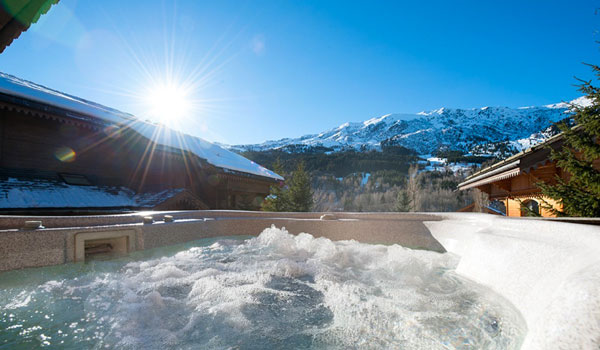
x=512 y=181
x=61 y=151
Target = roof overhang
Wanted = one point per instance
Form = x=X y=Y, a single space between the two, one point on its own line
x=526 y=160
x=16 y=16
x=15 y=91
x=504 y=172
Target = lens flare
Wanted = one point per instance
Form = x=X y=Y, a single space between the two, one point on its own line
x=65 y=154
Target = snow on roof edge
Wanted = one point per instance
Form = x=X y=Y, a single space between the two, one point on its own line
x=42 y=193
x=213 y=153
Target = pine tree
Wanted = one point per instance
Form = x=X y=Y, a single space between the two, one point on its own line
x=297 y=195
x=580 y=193
x=278 y=198
x=300 y=193
x=403 y=202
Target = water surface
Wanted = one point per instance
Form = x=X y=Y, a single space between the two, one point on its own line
x=275 y=291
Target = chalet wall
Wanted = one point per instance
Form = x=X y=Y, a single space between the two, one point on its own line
x=513 y=205
x=525 y=182
x=520 y=188
x=520 y=183
x=498 y=189
x=547 y=213
x=534 y=166
x=229 y=191
x=109 y=156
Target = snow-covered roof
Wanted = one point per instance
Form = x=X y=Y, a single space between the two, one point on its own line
x=152 y=199
x=45 y=193
x=16 y=193
x=215 y=155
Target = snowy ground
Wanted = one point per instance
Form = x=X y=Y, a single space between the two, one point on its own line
x=548 y=269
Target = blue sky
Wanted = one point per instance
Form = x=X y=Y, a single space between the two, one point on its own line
x=257 y=70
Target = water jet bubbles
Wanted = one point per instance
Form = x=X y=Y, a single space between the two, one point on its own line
x=263 y=292
x=65 y=154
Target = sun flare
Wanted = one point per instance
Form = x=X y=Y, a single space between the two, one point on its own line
x=168 y=103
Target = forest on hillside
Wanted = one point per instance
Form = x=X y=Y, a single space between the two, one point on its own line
x=338 y=164
x=394 y=179
x=380 y=191
x=323 y=160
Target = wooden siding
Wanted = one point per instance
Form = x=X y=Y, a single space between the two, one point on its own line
x=521 y=188
x=535 y=166
x=126 y=158
x=108 y=156
x=513 y=205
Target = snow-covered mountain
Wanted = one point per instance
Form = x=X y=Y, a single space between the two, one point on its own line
x=477 y=131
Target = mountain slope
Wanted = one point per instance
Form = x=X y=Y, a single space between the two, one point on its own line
x=479 y=131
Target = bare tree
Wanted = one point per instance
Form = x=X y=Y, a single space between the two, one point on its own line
x=480 y=200
x=413 y=187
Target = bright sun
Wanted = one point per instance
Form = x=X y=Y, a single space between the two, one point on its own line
x=168 y=103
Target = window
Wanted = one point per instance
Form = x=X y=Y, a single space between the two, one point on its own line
x=530 y=208
x=75 y=179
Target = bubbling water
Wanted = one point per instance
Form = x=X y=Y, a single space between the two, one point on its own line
x=275 y=291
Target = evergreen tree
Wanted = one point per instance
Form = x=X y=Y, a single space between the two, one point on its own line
x=300 y=193
x=277 y=200
x=580 y=193
x=403 y=202
x=297 y=195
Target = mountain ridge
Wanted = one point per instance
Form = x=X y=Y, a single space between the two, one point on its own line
x=476 y=131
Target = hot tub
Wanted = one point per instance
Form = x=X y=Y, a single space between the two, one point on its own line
x=531 y=284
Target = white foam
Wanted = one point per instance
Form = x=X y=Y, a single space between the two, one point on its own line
x=276 y=291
